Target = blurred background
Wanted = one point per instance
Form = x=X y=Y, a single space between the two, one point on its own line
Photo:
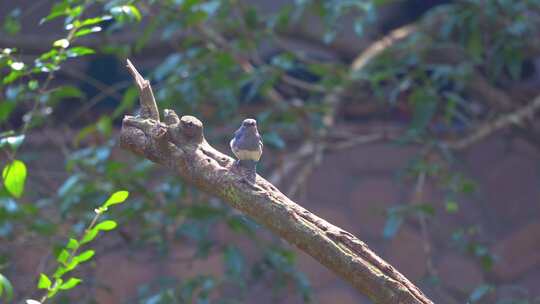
x=410 y=123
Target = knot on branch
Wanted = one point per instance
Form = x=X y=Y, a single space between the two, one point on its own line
x=192 y=128
x=170 y=117
x=185 y=130
x=133 y=139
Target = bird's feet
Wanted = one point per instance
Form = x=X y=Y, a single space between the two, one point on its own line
x=247 y=169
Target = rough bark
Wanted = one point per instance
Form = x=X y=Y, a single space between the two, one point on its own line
x=179 y=144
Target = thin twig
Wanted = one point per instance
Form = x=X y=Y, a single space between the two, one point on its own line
x=291 y=162
x=357 y=140
x=109 y=92
x=305 y=171
x=382 y=44
x=488 y=128
x=279 y=40
x=303 y=84
x=418 y=199
x=331 y=100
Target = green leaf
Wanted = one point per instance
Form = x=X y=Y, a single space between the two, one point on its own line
x=44 y=281
x=104 y=125
x=48 y=54
x=12 y=76
x=61 y=43
x=241 y=224
x=67 y=91
x=103 y=226
x=424 y=209
x=234 y=261
x=76 y=11
x=86 y=31
x=64 y=92
x=479 y=292
x=487 y=262
x=69 y=185
x=451 y=207
x=381 y=2
x=72 y=265
x=79 y=51
x=359 y=26
x=116 y=198
x=468 y=186
x=6 y=285
x=85 y=256
x=134 y=11
x=170 y=65
x=392 y=225
x=12 y=141
x=72 y=282
x=55 y=287
x=96 y=20
x=14 y=176
x=60 y=271
x=59 y=9
x=329 y=36
x=425 y=104
x=128 y=100
x=89 y=236
x=126 y=12
x=203 y=212
x=474 y=43
x=72 y=244
x=273 y=139
x=85 y=132
x=12 y=24
x=63 y=256
x=250 y=17
x=209 y=7
x=33 y=85
x=106 y=225
x=284 y=61
x=5 y=109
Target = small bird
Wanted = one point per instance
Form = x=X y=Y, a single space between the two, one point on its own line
x=247 y=145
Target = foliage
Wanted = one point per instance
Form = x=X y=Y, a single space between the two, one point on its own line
x=6 y=289
x=69 y=258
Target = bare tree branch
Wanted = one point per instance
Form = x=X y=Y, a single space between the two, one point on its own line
x=179 y=144
x=377 y=47
x=148 y=102
x=516 y=117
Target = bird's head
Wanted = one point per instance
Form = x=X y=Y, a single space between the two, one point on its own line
x=249 y=123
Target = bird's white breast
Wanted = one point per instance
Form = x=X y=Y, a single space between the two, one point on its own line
x=246 y=154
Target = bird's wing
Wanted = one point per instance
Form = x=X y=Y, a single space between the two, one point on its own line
x=233 y=148
x=237 y=132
